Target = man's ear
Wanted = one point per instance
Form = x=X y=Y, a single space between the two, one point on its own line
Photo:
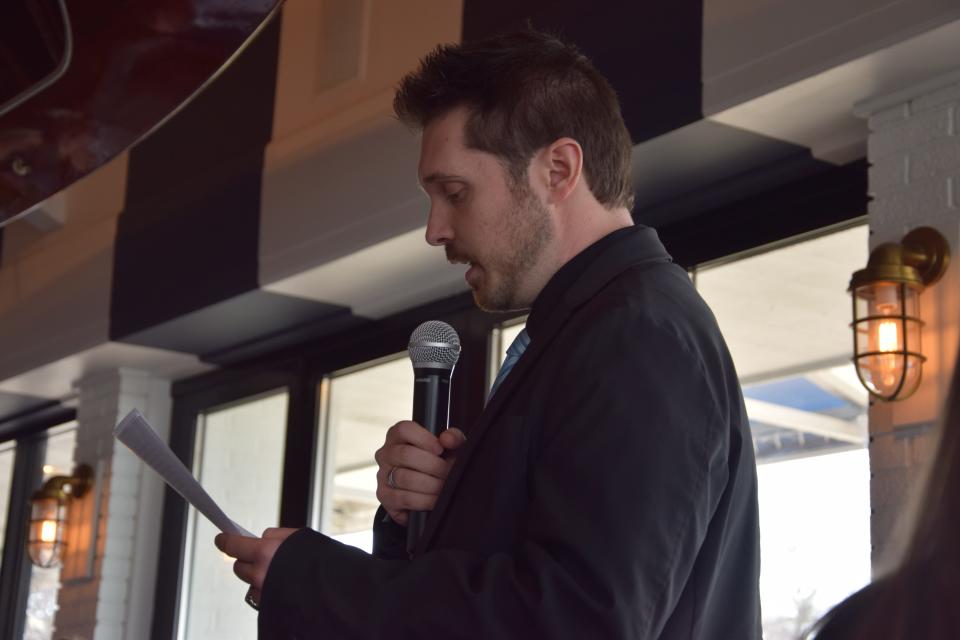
x=563 y=164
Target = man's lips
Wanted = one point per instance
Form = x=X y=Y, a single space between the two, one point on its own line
x=453 y=257
x=456 y=257
x=472 y=274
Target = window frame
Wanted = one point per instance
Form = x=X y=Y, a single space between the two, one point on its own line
x=199 y=443
x=192 y=398
x=29 y=433
x=301 y=371
x=324 y=467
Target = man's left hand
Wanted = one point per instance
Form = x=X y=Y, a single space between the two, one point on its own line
x=253 y=555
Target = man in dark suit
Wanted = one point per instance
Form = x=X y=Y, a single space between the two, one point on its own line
x=608 y=490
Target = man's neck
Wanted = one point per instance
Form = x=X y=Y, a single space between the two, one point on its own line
x=575 y=231
x=588 y=227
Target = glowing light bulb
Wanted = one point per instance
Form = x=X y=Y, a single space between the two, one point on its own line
x=48 y=531
x=888 y=336
x=887 y=300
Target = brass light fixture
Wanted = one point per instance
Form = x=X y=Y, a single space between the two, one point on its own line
x=48 y=515
x=886 y=311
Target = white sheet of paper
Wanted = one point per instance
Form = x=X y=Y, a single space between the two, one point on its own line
x=135 y=432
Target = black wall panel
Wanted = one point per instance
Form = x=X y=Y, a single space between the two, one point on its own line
x=650 y=51
x=188 y=235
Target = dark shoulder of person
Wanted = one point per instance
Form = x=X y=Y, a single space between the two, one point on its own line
x=914 y=602
x=846 y=620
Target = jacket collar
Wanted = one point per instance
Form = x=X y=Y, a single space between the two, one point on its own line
x=640 y=245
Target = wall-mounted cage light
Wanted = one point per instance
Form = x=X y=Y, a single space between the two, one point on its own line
x=48 y=515
x=886 y=311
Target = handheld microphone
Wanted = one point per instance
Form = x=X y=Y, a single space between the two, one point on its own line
x=434 y=349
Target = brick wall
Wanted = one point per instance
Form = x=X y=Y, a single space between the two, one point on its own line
x=116 y=600
x=914 y=150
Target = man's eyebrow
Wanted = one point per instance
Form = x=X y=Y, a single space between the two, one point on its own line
x=438 y=176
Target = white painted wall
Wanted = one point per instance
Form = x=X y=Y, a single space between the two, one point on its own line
x=914 y=147
x=55 y=286
x=340 y=194
x=115 y=602
x=752 y=47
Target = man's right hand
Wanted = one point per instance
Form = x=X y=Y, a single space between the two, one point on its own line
x=419 y=462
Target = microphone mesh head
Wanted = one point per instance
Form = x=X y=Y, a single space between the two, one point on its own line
x=434 y=344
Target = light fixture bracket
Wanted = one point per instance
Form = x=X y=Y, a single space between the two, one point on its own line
x=926 y=250
x=919 y=260
x=78 y=484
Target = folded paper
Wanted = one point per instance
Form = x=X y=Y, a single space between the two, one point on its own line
x=135 y=432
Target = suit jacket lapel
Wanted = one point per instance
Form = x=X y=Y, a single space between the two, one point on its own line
x=637 y=248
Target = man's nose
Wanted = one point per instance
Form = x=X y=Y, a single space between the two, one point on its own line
x=439 y=232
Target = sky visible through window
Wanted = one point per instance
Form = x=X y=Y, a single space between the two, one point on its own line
x=815 y=537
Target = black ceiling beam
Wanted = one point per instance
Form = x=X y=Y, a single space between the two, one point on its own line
x=832 y=196
x=649 y=51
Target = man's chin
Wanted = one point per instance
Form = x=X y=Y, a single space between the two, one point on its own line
x=482 y=302
x=482 y=299
x=490 y=302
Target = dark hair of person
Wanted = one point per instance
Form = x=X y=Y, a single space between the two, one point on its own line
x=918 y=597
x=523 y=91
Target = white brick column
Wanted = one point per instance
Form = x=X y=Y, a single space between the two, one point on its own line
x=116 y=601
x=914 y=150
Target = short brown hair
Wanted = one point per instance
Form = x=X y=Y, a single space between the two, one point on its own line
x=524 y=91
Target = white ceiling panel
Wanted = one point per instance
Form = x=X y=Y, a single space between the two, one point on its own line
x=787 y=309
x=381 y=279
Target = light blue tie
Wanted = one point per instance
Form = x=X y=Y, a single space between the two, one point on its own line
x=517 y=347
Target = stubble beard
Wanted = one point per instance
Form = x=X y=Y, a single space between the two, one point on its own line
x=523 y=246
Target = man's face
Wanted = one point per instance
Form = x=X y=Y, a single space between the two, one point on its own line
x=481 y=217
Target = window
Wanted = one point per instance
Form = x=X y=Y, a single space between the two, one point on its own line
x=238 y=460
x=784 y=314
x=360 y=404
x=7 y=452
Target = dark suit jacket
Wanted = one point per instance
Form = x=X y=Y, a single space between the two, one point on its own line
x=608 y=490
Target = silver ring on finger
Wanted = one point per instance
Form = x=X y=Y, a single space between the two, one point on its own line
x=391 y=479
x=250 y=601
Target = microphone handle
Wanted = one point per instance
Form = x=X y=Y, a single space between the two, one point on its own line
x=431 y=408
